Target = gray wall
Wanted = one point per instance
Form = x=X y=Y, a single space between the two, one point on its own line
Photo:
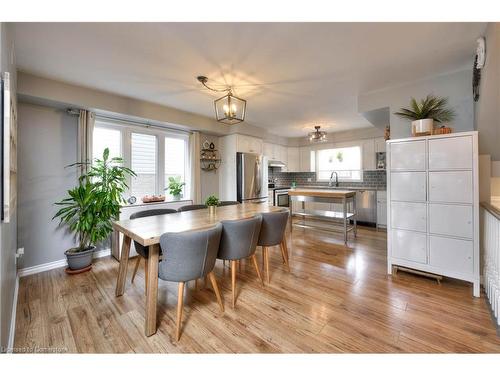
x=456 y=86
x=47 y=144
x=487 y=109
x=8 y=231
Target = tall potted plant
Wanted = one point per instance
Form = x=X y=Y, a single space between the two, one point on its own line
x=91 y=207
x=423 y=113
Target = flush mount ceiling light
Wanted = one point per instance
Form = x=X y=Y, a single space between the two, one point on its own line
x=317 y=136
x=229 y=109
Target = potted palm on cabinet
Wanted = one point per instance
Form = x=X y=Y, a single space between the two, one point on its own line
x=423 y=113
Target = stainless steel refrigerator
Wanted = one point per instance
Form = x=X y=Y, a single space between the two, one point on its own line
x=251 y=177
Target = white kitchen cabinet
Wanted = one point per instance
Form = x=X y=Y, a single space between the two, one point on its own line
x=408 y=186
x=454 y=186
x=451 y=220
x=409 y=216
x=368 y=152
x=450 y=153
x=307 y=158
x=293 y=159
x=282 y=154
x=250 y=144
x=269 y=151
x=452 y=254
x=411 y=246
x=381 y=208
x=408 y=156
x=380 y=144
x=433 y=222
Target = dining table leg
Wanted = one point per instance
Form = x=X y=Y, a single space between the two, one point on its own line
x=152 y=290
x=122 y=271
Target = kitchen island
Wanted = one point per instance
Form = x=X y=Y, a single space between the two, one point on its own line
x=344 y=217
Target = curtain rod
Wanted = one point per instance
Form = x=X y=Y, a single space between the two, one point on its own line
x=145 y=124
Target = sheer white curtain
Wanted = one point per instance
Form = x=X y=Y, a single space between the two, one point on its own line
x=194 y=167
x=86 y=121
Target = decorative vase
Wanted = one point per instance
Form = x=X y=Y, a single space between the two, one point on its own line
x=79 y=259
x=422 y=127
x=212 y=210
x=177 y=197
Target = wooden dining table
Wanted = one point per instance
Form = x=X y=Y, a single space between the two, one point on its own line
x=147 y=232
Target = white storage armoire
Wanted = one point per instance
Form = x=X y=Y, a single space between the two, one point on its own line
x=433 y=205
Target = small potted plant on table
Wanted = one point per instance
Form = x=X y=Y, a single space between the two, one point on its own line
x=212 y=202
x=425 y=112
x=91 y=207
x=175 y=187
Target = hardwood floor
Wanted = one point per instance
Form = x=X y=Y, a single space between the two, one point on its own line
x=335 y=299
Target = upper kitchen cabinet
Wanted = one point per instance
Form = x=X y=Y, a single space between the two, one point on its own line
x=307 y=159
x=450 y=153
x=368 y=147
x=270 y=151
x=282 y=154
x=293 y=159
x=275 y=152
x=379 y=144
x=246 y=143
x=408 y=156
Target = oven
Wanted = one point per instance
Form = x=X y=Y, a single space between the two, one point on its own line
x=281 y=198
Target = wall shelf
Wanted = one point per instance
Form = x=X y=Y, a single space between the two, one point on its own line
x=209 y=160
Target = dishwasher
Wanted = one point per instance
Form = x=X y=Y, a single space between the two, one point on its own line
x=366 y=205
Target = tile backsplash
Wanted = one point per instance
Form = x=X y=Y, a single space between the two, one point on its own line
x=371 y=179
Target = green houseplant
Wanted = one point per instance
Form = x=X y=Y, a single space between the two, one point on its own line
x=175 y=187
x=212 y=202
x=423 y=113
x=92 y=205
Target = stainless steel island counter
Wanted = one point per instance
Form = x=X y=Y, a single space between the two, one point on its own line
x=344 y=217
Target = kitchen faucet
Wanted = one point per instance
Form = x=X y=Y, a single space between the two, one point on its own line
x=336 y=179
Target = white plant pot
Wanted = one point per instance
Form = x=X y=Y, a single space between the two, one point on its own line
x=423 y=126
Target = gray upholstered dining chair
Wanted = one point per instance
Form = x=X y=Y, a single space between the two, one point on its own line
x=239 y=241
x=228 y=203
x=191 y=207
x=143 y=251
x=190 y=256
x=272 y=233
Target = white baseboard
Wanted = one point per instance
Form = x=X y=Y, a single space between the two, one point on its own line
x=57 y=264
x=12 y=331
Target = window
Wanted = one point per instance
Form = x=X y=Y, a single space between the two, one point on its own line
x=175 y=161
x=346 y=161
x=154 y=154
x=106 y=137
x=143 y=157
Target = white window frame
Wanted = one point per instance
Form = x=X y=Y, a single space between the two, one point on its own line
x=187 y=166
x=127 y=128
x=332 y=146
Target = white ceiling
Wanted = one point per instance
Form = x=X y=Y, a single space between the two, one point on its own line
x=293 y=75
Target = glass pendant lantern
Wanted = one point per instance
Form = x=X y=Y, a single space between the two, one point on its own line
x=317 y=135
x=230 y=109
